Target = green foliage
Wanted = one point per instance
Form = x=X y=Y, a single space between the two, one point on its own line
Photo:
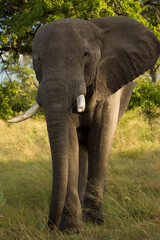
x=18 y=91
x=146 y=95
x=15 y=97
x=20 y=19
x=151 y=13
x=6 y=91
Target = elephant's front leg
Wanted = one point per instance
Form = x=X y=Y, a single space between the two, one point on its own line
x=72 y=214
x=100 y=139
x=83 y=160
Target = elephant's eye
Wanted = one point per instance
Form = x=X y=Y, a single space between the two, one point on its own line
x=86 y=53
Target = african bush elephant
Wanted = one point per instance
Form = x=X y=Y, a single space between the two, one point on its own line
x=85 y=71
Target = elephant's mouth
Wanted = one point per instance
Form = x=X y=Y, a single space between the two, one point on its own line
x=35 y=108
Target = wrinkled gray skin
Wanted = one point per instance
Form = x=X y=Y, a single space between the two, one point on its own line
x=97 y=58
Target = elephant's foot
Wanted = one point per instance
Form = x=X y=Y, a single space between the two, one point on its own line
x=93 y=210
x=70 y=225
x=51 y=225
x=93 y=216
x=67 y=225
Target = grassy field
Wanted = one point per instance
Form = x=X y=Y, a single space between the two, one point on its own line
x=132 y=199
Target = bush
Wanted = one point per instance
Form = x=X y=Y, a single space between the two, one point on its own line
x=15 y=97
x=146 y=94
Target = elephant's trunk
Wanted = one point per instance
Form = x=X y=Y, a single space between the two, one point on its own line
x=56 y=107
x=57 y=103
x=58 y=129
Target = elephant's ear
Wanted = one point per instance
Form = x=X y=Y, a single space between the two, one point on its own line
x=128 y=50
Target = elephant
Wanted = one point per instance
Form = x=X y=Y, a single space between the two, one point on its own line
x=85 y=70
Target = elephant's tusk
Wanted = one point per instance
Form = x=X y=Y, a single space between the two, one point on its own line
x=29 y=113
x=81 y=103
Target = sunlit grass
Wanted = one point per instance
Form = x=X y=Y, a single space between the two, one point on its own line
x=132 y=198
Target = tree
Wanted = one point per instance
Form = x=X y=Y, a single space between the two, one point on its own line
x=18 y=91
x=20 y=19
x=151 y=12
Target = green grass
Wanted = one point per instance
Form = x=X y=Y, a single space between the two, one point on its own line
x=131 y=203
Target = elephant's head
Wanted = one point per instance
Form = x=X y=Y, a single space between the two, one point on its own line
x=66 y=54
x=74 y=58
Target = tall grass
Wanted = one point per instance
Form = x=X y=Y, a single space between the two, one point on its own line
x=131 y=203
